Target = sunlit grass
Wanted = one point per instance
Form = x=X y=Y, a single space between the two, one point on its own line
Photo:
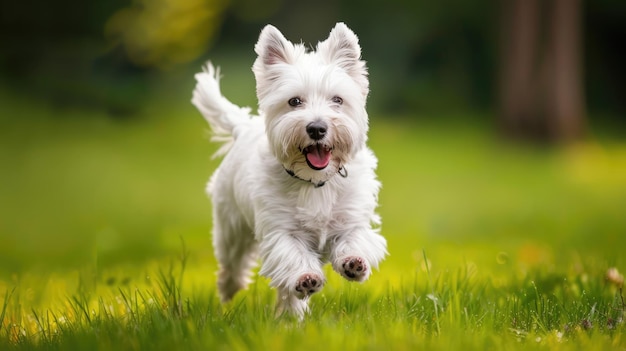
x=454 y=308
x=104 y=241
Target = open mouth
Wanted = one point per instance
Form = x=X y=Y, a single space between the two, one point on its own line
x=317 y=156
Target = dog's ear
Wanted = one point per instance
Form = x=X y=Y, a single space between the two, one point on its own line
x=342 y=48
x=272 y=46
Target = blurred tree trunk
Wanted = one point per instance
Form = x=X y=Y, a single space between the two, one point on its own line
x=541 y=88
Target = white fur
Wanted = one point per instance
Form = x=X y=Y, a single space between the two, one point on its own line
x=294 y=224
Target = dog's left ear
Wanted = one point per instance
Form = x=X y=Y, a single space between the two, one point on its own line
x=342 y=48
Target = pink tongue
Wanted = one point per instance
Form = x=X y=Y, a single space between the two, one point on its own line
x=318 y=156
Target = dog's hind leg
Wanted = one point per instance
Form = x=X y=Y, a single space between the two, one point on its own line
x=235 y=250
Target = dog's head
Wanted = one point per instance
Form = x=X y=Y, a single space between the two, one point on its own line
x=313 y=102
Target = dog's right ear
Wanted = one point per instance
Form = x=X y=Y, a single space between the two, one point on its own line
x=272 y=46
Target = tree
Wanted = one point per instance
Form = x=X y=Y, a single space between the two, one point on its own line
x=541 y=88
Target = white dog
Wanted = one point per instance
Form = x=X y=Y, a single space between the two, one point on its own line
x=297 y=185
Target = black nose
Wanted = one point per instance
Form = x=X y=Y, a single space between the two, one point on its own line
x=316 y=130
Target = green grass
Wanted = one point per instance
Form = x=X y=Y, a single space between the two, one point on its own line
x=104 y=240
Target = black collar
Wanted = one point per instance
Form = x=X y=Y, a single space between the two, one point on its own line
x=343 y=172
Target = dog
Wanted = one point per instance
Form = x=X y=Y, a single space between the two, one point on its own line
x=297 y=186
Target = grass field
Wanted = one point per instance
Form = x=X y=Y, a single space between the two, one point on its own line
x=105 y=244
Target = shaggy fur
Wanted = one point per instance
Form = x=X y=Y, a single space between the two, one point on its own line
x=297 y=186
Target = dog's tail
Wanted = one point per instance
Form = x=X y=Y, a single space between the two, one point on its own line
x=221 y=114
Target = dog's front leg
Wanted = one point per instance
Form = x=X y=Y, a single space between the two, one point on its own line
x=354 y=252
x=294 y=267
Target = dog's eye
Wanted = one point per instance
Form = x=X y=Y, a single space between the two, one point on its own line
x=295 y=102
x=337 y=100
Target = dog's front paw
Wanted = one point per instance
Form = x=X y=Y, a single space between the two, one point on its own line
x=354 y=268
x=308 y=284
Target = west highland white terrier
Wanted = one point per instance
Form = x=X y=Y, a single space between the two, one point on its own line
x=297 y=186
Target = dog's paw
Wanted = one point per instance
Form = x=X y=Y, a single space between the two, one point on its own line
x=354 y=268
x=308 y=284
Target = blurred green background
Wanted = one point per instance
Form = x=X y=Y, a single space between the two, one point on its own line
x=499 y=124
